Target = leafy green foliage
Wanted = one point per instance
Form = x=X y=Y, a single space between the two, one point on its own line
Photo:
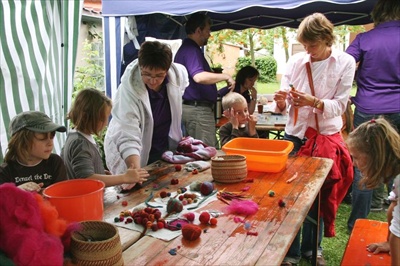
x=91 y=74
x=265 y=65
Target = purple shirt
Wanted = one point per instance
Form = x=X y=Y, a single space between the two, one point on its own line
x=161 y=111
x=378 y=73
x=191 y=56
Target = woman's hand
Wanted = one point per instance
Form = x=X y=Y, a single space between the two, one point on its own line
x=280 y=99
x=300 y=99
x=136 y=175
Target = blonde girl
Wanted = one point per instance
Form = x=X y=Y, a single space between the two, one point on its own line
x=375 y=148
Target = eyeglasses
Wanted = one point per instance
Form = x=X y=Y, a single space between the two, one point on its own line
x=157 y=78
x=44 y=136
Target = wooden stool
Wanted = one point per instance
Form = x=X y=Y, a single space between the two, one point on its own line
x=366 y=232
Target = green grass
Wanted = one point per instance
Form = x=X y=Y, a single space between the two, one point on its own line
x=334 y=246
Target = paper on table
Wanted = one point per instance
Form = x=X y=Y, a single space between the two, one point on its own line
x=271 y=119
x=164 y=234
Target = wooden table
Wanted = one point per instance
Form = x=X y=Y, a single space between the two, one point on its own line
x=227 y=243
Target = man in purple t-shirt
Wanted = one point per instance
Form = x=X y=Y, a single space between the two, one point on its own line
x=200 y=96
x=378 y=89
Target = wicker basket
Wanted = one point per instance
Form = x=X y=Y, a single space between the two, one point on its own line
x=229 y=168
x=98 y=243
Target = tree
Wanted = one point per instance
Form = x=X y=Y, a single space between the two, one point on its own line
x=250 y=39
x=91 y=74
x=255 y=39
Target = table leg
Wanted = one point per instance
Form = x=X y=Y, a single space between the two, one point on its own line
x=316 y=227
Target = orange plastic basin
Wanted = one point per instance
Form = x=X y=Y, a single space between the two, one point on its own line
x=263 y=155
x=77 y=200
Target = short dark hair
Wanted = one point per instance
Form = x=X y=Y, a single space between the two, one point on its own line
x=195 y=21
x=155 y=55
x=246 y=72
x=385 y=10
x=88 y=110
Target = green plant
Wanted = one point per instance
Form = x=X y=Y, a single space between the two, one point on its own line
x=216 y=65
x=267 y=67
x=90 y=75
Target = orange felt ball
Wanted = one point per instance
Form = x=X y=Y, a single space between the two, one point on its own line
x=213 y=221
x=191 y=232
x=204 y=217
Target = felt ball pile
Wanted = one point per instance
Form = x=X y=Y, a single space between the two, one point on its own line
x=181 y=190
x=188 y=198
x=164 y=194
x=148 y=217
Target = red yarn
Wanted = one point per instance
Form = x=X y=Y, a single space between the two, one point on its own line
x=22 y=231
x=191 y=232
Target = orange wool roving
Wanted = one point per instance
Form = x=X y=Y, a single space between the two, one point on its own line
x=191 y=232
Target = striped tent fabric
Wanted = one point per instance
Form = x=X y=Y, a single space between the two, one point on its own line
x=114 y=40
x=38 y=44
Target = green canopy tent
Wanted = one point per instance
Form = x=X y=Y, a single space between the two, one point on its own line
x=38 y=44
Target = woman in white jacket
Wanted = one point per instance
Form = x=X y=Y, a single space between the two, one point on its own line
x=147 y=112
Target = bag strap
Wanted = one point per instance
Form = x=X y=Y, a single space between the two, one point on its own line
x=310 y=81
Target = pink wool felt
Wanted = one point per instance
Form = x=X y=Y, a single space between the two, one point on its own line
x=22 y=231
x=242 y=207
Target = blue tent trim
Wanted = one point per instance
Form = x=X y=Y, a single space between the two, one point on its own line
x=164 y=19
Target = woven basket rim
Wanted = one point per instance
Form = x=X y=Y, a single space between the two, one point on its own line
x=103 y=224
x=229 y=157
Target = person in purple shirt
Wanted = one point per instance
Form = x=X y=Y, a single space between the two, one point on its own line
x=146 y=117
x=200 y=96
x=378 y=86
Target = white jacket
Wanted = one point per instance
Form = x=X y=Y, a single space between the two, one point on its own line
x=130 y=130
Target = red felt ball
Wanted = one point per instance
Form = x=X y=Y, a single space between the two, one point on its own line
x=178 y=167
x=213 y=221
x=124 y=203
x=163 y=194
x=190 y=216
x=154 y=227
x=206 y=188
x=160 y=225
x=191 y=232
x=204 y=217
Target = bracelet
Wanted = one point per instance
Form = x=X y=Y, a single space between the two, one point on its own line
x=316 y=102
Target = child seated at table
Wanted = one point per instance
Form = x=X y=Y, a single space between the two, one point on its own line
x=241 y=123
x=29 y=162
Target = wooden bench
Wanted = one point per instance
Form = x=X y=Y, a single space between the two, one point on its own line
x=365 y=232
